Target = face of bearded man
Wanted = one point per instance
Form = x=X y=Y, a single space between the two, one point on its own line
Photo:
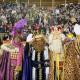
x=55 y=41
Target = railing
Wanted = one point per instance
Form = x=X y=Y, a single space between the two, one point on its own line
x=42 y=2
x=45 y=4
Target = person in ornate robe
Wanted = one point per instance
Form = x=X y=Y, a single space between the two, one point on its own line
x=35 y=64
x=72 y=57
x=6 y=72
x=56 y=53
x=13 y=52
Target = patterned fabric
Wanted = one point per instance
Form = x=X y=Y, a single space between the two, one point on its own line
x=51 y=74
x=39 y=65
x=56 y=66
x=13 y=56
x=34 y=64
x=39 y=43
x=71 y=66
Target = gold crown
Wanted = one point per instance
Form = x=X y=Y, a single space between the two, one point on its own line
x=38 y=43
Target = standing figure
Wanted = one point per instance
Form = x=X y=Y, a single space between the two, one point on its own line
x=17 y=41
x=72 y=57
x=37 y=57
x=56 y=53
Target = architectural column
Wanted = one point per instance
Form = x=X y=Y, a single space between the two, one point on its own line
x=40 y=3
x=53 y=2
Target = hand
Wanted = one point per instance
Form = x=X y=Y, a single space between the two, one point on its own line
x=18 y=68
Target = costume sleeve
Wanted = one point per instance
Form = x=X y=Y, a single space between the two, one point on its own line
x=29 y=38
x=63 y=37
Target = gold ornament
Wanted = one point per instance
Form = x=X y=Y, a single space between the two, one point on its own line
x=38 y=43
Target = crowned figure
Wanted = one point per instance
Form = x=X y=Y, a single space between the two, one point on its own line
x=38 y=56
x=56 y=52
x=72 y=57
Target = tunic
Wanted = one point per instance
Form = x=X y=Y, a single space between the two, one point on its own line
x=56 y=55
x=71 y=65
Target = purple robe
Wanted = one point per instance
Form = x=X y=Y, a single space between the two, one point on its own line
x=5 y=67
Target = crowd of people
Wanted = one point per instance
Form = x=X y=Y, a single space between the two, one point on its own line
x=41 y=17
x=46 y=32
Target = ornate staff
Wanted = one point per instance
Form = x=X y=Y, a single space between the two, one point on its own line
x=57 y=65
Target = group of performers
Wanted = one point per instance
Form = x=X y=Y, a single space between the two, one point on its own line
x=49 y=53
x=50 y=58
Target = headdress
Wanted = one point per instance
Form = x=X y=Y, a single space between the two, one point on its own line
x=36 y=27
x=59 y=28
x=38 y=43
x=52 y=28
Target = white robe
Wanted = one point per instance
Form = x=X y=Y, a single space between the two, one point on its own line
x=55 y=44
x=29 y=37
